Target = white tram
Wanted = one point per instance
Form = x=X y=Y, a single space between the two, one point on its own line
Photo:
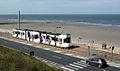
x=33 y=36
x=19 y=33
x=54 y=39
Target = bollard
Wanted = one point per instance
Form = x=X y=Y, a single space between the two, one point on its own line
x=32 y=53
x=105 y=56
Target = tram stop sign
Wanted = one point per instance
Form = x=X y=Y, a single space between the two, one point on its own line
x=113 y=48
x=88 y=47
x=79 y=38
x=92 y=41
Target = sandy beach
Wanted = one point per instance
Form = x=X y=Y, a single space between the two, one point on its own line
x=87 y=33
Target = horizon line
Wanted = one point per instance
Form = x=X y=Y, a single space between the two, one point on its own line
x=58 y=14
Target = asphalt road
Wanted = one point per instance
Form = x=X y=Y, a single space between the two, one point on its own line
x=70 y=62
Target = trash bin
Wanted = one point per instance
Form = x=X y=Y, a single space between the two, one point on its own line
x=32 y=53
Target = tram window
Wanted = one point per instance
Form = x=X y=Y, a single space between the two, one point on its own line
x=53 y=38
x=67 y=40
x=36 y=36
x=18 y=32
x=28 y=34
x=47 y=37
x=56 y=39
x=60 y=41
x=44 y=37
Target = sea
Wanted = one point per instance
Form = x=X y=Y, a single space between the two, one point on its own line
x=99 y=20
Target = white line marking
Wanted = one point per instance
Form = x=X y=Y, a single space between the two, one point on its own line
x=46 y=48
x=67 y=68
x=103 y=69
x=29 y=44
x=46 y=60
x=79 y=57
x=76 y=66
x=72 y=67
x=68 y=54
x=56 y=57
x=80 y=64
x=82 y=61
x=57 y=51
x=117 y=66
x=53 y=63
x=38 y=47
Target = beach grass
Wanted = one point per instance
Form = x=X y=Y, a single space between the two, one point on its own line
x=11 y=60
x=8 y=23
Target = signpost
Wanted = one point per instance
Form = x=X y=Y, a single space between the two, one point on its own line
x=79 y=38
x=112 y=51
x=113 y=48
x=88 y=51
x=92 y=41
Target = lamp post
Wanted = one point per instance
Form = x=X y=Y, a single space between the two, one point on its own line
x=19 y=20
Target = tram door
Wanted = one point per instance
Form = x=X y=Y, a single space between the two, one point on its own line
x=60 y=42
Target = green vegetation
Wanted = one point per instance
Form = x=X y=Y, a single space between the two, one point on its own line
x=11 y=60
x=8 y=23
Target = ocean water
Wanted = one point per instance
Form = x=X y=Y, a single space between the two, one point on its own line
x=74 y=19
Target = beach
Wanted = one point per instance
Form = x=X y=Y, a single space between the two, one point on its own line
x=87 y=33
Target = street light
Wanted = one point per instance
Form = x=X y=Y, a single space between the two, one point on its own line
x=19 y=20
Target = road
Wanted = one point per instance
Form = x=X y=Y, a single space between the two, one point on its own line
x=70 y=62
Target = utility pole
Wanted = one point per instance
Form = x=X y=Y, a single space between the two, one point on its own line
x=19 y=20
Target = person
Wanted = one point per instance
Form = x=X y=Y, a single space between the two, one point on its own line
x=104 y=45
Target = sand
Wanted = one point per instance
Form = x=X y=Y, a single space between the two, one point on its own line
x=87 y=33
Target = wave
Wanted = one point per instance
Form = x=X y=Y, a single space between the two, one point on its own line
x=66 y=22
x=15 y=20
x=95 y=24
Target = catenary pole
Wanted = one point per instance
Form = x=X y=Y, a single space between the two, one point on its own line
x=19 y=20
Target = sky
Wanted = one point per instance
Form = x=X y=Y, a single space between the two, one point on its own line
x=60 y=6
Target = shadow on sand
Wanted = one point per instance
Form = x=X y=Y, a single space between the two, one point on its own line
x=72 y=47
